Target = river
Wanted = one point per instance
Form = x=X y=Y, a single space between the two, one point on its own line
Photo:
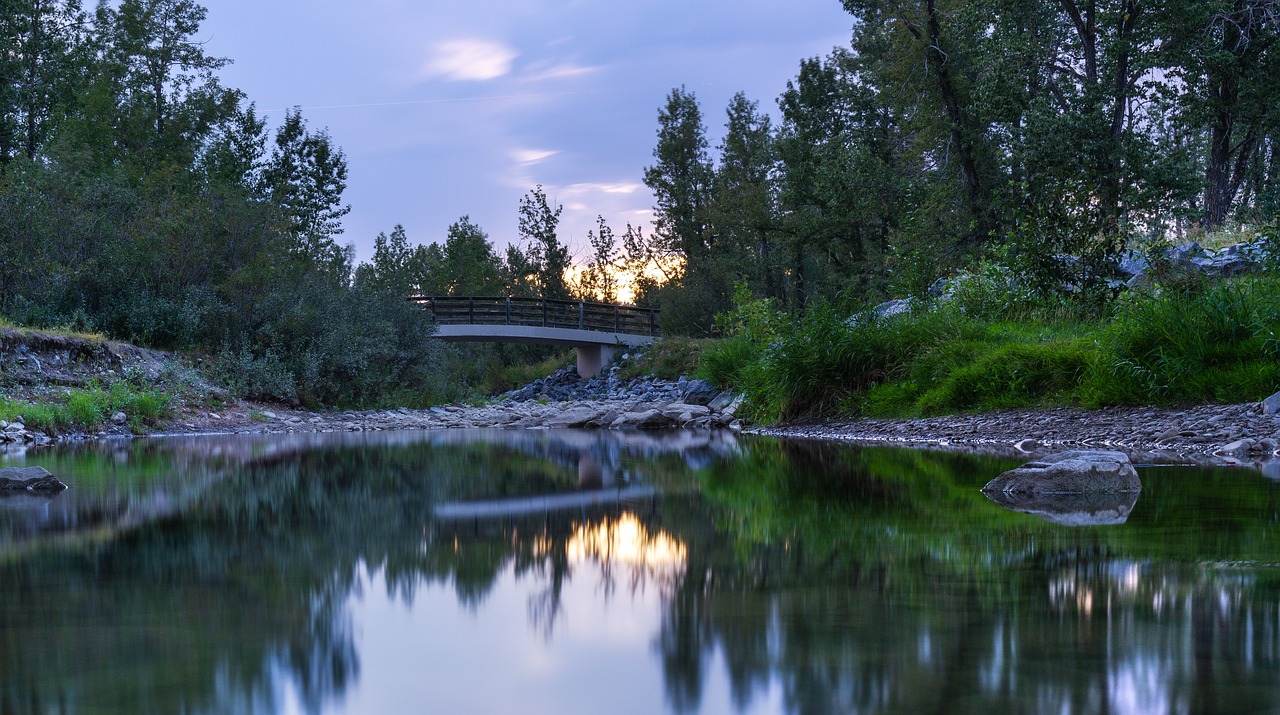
x=562 y=571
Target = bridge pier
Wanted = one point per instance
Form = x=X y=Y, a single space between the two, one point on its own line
x=591 y=358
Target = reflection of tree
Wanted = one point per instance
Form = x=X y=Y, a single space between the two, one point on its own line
x=204 y=610
x=842 y=580
x=882 y=581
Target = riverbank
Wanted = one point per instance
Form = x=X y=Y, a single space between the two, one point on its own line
x=1236 y=435
x=1233 y=435
x=39 y=365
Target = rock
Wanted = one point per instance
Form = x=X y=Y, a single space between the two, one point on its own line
x=573 y=417
x=1026 y=445
x=938 y=288
x=1239 y=448
x=699 y=392
x=892 y=308
x=724 y=400
x=1132 y=264
x=119 y=418
x=1184 y=253
x=1074 y=472
x=30 y=479
x=648 y=419
x=674 y=410
x=1271 y=405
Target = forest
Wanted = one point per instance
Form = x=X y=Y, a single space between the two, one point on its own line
x=142 y=199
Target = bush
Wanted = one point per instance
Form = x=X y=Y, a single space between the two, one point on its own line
x=1209 y=341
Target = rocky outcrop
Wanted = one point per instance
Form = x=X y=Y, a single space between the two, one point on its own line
x=1074 y=472
x=35 y=480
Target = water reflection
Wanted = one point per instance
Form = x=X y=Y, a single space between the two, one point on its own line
x=1101 y=509
x=320 y=575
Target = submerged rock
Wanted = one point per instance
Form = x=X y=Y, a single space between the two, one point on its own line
x=1074 y=472
x=30 y=479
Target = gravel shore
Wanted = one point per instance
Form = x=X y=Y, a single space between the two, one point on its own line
x=1236 y=435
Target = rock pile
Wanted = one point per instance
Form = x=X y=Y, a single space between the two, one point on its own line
x=16 y=433
x=565 y=384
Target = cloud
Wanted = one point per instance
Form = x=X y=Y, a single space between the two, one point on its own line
x=542 y=71
x=619 y=187
x=469 y=60
x=532 y=156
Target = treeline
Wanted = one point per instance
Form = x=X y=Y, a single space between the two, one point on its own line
x=141 y=198
x=1048 y=136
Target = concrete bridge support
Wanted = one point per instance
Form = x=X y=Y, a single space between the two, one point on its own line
x=595 y=348
x=592 y=358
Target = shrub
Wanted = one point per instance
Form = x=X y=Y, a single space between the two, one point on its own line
x=1209 y=341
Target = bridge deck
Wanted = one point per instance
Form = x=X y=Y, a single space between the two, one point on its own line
x=542 y=313
x=595 y=329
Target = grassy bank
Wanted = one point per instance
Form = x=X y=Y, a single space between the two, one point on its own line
x=1209 y=341
x=90 y=408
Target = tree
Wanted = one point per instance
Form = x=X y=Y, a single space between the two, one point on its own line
x=743 y=209
x=468 y=264
x=681 y=180
x=599 y=280
x=305 y=178
x=167 y=88
x=42 y=58
x=543 y=251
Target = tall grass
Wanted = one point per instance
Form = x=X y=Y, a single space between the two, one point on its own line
x=90 y=408
x=1211 y=342
x=1204 y=342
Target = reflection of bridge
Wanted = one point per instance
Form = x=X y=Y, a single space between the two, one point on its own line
x=597 y=330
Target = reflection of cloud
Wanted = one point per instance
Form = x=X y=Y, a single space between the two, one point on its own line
x=532 y=156
x=462 y=60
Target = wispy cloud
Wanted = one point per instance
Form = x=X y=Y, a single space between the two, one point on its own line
x=469 y=60
x=542 y=71
x=532 y=156
x=587 y=189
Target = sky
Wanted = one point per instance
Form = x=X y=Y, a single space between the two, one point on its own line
x=447 y=109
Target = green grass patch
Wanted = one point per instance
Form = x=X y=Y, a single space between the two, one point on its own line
x=1212 y=342
x=90 y=408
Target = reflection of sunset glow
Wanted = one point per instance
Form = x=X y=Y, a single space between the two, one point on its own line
x=625 y=540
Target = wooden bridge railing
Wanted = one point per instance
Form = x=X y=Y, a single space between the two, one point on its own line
x=541 y=312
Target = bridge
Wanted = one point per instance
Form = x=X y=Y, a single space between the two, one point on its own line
x=597 y=330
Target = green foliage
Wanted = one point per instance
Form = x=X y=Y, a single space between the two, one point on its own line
x=91 y=407
x=1214 y=341
x=666 y=359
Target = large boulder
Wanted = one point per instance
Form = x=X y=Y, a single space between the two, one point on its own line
x=36 y=480
x=1074 y=472
x=699 y=392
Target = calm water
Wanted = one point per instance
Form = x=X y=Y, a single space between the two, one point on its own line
x=577 y=572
